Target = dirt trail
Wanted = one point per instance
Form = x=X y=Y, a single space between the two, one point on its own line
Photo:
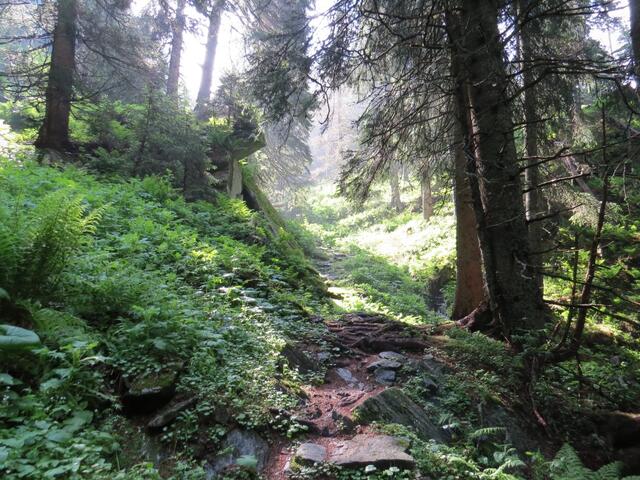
x=349 y=381
x=328 y=410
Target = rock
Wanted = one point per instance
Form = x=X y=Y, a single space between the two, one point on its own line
x=621 y=429
x=398 y=357
x=384 y=376
x=170 y=413
x=323 y=356
x=239 y=443
x=518 y=432
x=388 y=364
x=394 y=406
x=310 y=453
x=344 y=423
x=630 y=459
x=148 y=393
x=432 y=366
x=379 y=450
x=298 y=359
x=346 y=375
x=430 y=385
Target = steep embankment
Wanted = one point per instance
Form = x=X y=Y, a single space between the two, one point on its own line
x=160 y=324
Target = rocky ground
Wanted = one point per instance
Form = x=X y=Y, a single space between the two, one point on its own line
x=360 y=388
x=369 y=360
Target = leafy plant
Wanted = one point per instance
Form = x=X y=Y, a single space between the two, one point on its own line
x=14 y=338
x=567 y=466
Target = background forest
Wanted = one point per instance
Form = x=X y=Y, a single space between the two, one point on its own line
x=351 y=239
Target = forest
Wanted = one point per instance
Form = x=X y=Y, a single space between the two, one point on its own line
x=330 y=239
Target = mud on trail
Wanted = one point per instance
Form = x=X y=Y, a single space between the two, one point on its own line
x=376 y=353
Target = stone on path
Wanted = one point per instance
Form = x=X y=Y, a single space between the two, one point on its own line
x=384 y=376
x=388 y=364
x=346 y=375
x=398 y=357
x=379 y=450
x=310 y=453
x=394 y=406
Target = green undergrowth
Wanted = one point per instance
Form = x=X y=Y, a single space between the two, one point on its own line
x=391 y=258
x=123 y=280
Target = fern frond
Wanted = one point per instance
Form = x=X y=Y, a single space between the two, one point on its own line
x=35 y=249
x=610 y=471
x=487 y=432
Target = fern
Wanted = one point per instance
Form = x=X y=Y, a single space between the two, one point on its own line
x=36 y=247
x=483 y=433
x=567 y=466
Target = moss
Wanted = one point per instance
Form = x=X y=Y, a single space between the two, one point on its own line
x=153 y=381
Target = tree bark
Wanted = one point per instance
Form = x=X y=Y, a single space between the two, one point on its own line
x=204 y=93
x=634 y=10
x=470 y=290
x=532 y=200
x=54 y=131
x=482 y=83
x=176 y=49
x=426 y=195
x=394 y=180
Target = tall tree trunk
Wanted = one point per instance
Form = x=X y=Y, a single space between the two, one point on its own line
x=470 y=290
x=204 y=93
x=54 y=131
x=532 y=200
x=498 y=204
x=394 y=180
x=176 y=49
x=634 y=9
x=426 y=195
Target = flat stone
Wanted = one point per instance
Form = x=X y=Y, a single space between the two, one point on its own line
x=388 y=364
x=379 y=450
x=394 y=406
x=310 y=453
x=384 y=376
x=346 y=375
x=398 y=357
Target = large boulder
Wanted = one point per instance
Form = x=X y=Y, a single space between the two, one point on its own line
x=394 y=406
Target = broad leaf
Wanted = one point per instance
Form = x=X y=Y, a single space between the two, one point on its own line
x=14 y=338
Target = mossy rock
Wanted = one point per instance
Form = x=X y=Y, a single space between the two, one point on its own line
x=149 y=392
x=394 y=406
